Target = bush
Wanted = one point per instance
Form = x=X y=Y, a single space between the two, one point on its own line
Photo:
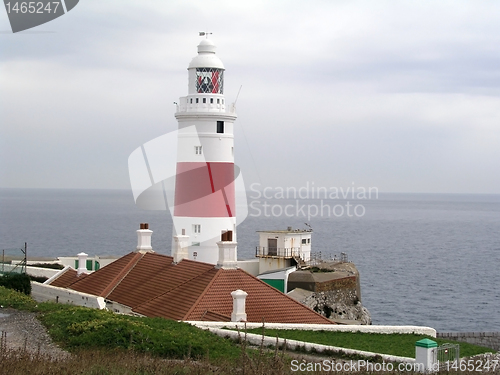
x=54 y=266
x=20 y=282
x=16 y=300
x=82 y=328
x=38 y=279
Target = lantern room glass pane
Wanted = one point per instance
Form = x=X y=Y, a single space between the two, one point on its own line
x=209 y=81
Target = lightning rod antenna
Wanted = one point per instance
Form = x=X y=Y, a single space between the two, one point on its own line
x=238 y=95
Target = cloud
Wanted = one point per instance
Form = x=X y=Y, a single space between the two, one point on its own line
x=400 y=95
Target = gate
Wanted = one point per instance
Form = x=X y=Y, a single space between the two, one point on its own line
x=446 y=353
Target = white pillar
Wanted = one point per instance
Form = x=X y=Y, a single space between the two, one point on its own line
x=181 y=244
x=82 y=263
x=227 y=255
x=144 y=238
x=239 y=299
x=424 y=355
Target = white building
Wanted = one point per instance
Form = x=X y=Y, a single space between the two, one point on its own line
x=281 y=249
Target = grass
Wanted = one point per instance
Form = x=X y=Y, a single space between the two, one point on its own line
x=120 y=362
x=74 y=328
x=402 y=345
x=16 y=300
x=101 y=342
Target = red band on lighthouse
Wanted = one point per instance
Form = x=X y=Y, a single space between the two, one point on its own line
x=204 y=190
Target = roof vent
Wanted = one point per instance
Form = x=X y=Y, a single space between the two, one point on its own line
x=239 y=300
x=227 y=251
x=180 y=247
x=82 y=264
x=144 y=238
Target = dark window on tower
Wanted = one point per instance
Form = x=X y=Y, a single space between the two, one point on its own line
x=204 y=100
x=220 y=126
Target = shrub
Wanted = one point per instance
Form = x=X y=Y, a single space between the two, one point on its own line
x=80 y=327
x=55 y=266
x=20 y=282
x=38 y=279
x=16 y=300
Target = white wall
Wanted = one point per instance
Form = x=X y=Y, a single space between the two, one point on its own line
x=44 y=293
x=250 y=266
x=271 y=264
x=41 y=272
x=419 y=330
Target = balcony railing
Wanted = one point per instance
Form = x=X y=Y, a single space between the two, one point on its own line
x=277 y=252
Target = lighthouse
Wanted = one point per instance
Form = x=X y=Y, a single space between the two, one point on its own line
x=204 y=199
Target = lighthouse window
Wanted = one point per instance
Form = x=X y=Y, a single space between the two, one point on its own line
x=196 y=100
x=197 y=228
x=209 y=80
x=220 y=126
x=218 y=101
x=204 y=100
x=191 y=100
x=197 y=150
x=211 y=100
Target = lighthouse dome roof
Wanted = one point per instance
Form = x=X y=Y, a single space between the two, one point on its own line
x=206 y=57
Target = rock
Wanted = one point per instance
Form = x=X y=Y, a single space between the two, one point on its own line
x=333 y=290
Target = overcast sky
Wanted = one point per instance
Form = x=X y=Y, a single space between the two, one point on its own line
x=399 y=95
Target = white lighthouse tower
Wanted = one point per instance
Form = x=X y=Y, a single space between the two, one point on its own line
x=204 y=203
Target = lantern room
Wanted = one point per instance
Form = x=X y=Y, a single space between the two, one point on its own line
x=206 y=71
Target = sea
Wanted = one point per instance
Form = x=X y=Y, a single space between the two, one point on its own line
x=424 y=259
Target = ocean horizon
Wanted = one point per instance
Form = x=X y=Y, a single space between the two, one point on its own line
x=424 y=259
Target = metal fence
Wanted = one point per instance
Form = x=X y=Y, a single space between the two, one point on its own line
x=13 y=260
x=446 y=353
x=277 y=252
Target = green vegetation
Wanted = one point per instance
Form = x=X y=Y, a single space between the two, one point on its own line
x=402 y=345
x=38 y=279
x=79 y=327
x=101 y=342
x=75 y=327
x=54 y=266
x=321 y=270
x=16 y=300
x=17 y=281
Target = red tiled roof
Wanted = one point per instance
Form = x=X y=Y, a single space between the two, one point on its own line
x=210 y=316
x=67 y=278
x=153 y=286
x=262 y=303
x=103 y=281
x=161 y=280
x=176 y=302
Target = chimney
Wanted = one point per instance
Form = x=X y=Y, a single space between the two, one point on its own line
x=239 y=299
x=82 y=264
x=227 y=251
x=181 y=244
x=144 y=238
